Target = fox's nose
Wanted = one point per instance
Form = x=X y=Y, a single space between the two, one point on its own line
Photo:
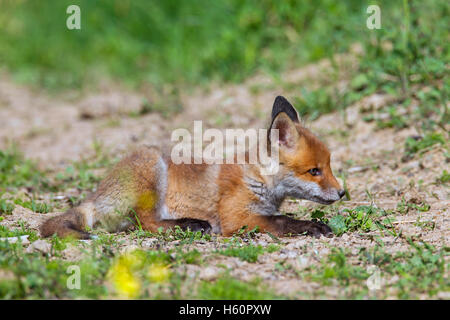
x=341 y=193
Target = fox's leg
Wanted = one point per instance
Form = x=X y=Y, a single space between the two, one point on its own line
x=278 y=225
x=283 y=225
x=151 y=221
x=69 y=224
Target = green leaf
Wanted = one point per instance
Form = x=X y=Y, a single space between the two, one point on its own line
x=317 y=214
x=337 y=224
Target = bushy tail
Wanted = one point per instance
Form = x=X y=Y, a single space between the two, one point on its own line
x=69 y=224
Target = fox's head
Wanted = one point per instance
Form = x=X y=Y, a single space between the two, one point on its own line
x=304 y=161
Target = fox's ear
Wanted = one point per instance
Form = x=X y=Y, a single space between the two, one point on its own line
x=284 y=117
x=287 y=132
x=282 y=105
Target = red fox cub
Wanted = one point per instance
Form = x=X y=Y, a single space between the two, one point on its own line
x=221 y=198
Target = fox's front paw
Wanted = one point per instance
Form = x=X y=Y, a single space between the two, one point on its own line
x=194 y=225
x=315 y=229
x=318 y=228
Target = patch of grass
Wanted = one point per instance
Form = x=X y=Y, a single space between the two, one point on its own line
x=188 y=256
x=6 y=232
x=394 y=120
x=228 y=288
x=247 y=234
x=79 y=175
x=404 y=207
x=423 y=269
x=427 y=225
x=314 y=103
x=39 y=207
x=59 y=244
x=444 y=178
x=361 y=218
x=421 y=144
x=405 y=274
x=336 y=266
x=104 y=271
x=186 y=236
x=408 y=51
x=34 y=276
x=433 y=111
x=6 y=207
x=16 y=172
x=247 y=253
x=83 y=174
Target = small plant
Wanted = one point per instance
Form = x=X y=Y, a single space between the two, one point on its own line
x=6 y=207
x=5 y=232
x=15 y=171
x=336 y=266
x=422 y=144
x=444 y=178
x=186 y=236
x=422 y=269
x=242 y=232
x=38 y=207
x=247 y=253
x=361 y=218
x=393 y=121
x=314 y=103
x=79 y=176
x=405 y=207
x=189 y=257
x=425 y=225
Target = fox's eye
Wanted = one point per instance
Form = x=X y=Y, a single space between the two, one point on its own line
x=314 y=171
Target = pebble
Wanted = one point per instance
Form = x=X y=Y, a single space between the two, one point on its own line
x=23 y=239
x=209 y=273
x=262 y=243
x=149 y=243
x=40 y=246
x=302 y=262
x=291 y=254
x=297 y=244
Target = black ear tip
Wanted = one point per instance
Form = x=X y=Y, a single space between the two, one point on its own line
x=281 y=104
x=280 y=99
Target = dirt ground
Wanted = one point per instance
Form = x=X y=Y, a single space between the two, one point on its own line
x=57 y=130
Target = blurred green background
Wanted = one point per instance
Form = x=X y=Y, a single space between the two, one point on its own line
x=194 y=42
x=185 y=41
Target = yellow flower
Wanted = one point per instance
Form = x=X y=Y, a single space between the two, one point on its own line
x=158 y=273
x=125 y=282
